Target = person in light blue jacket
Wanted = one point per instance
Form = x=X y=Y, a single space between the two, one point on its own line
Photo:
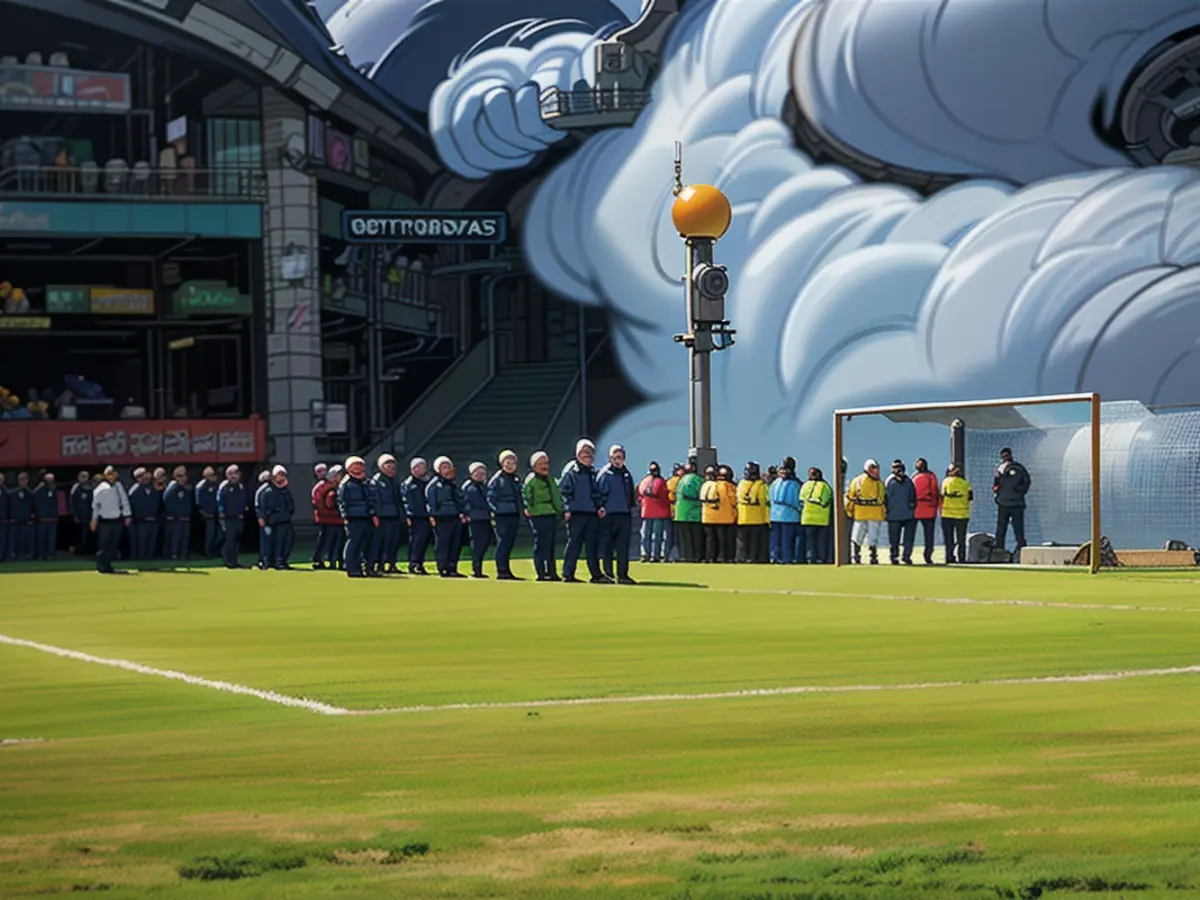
x=784 y=494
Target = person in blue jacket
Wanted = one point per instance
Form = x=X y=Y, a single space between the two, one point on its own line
x=447 y=513
x=617 y=496
x=79 y=502
x=5 y=523
x=20 y=518
x=388 y=505
x=583 y=513
x=506 y=499
x=276 y=511
x=206 y=504
x=177 y=510
x=145 y=502
x=264 y=540
x=479 y=512
x=231 y=512
x=45 y=510
x=416 y=514
x=356 y=502
x=784 y=494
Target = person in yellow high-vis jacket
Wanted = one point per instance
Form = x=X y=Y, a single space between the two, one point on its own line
x=754 y=516
x=817 y=498
x=956 y=512
x=671 y=541
x=718 y=502
x=866 y=507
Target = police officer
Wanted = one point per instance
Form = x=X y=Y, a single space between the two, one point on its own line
x=45 y=508
x=475 y=494
x=110 y=513
x=276 y=510
x=387 y=504
x=357 y=505
x=20 y=517
x=584 y=512
x=416 y=513
x=145 y=502
x=206 y=503
x=264 y=550
x=506 y=498
x=617 y=496
x=177 y=510
x=5 y=523
x=231 y=512
x=447 y=513
x=80 y=504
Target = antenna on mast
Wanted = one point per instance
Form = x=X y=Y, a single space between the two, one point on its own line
x=678 y=189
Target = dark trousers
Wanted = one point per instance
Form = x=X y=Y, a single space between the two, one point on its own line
x=447 y=544
x=21 y=540
x=4 y=526
x=616 y=531
x=282 y=538
x=83 y=538
x=212 y=537
x=1004 y=515
x=582 y=536
x=418 y=542
x=178 y=533
x=232 y=528
x=108 y=536
x=927 y=537
x=47 y=539
x=358 y=546
x=506 y=537
x=544 y=531
x=816 y=540
x=904 y=531
x=264 y=545
x=752 y=541
x=783 y=541
x=386 y=543
x=143 y=536
x=690 y=541
x=720 y=543
x=954 y=533
x=322 y=552
x=481 y=539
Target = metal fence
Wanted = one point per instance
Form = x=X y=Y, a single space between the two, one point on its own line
x=136 y=182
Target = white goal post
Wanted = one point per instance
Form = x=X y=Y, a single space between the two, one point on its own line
x=1000 y=415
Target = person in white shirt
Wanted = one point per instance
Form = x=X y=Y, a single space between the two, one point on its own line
x=110 y=513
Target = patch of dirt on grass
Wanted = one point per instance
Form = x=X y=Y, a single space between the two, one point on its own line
x=1038 y=787
x=291 y=827
x=632 y=805
x=361 y=857
x=946 y=812
x=1136 y=778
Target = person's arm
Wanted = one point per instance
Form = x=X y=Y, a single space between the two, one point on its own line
x=527 y=495
x=123 y=501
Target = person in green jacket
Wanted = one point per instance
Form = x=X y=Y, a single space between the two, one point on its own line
x=687 y=514
x=815 y=516
x=543 y=509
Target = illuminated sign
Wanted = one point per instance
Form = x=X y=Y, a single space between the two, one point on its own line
x=205 y=298
x=24 y=323
x=424 y=227
x=122 y=301
x=68 y=299
x=56 y=89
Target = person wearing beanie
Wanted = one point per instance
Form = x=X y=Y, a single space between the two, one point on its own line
x=900 y=497
x=177 y=509
x=784 y=495
x=655 y=500
x=264 y=537
x=319 y=471
x=816 y=498
x=929 y=503
x=770 y=476
x=689 y=530
x=416 y=514
x=276 y=512
x=331 y=527
x=543 y=506
x=356 y=503
x=479 y=515
x=231 y=512
x=956 y=514
x=584 y=512
x=753 y=516
x=617 y=498
x=447 y=515
x=719 y=514
x=386 y=544
x=505 y=499
x=670 y=536
x=866 y=508
x=145 y=502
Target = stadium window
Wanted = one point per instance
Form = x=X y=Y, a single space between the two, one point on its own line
x=234 y=144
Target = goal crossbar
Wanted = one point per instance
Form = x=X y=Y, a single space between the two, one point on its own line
x=936 y=413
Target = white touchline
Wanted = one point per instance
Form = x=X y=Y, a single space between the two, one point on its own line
x=326 y=709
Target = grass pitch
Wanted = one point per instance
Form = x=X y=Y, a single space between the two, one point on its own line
x=143 y=786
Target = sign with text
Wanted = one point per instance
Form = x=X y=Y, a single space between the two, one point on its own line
x=56 y=89
x=209 y=298
x=24 y=323
x=70 y=299
x=122 y=301
x=423 y=227
x=55 y=444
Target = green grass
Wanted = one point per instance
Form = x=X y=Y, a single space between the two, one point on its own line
x=147 y=787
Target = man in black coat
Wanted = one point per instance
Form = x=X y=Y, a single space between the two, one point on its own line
x=1009 y=488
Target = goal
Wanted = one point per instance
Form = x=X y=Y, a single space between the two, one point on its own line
x=1121 y=471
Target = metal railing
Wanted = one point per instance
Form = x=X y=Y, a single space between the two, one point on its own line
x=569 y=393
x=136 y=182
x=557 y=103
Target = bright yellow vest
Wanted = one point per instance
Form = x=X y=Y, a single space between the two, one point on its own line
x=672 y=483
x=865 y=500
x=754 y=507
x=722 y=512
x=956 y=498
x=818 y=503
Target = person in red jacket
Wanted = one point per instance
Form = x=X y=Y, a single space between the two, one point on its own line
x=655 y=501
x=331 y=529
x=929 y=502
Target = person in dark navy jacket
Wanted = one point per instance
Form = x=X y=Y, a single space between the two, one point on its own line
x=177 y=510
x=416 y=514
x=79 y=502
x=145 y=502
x=447 y=513
x=388 y=506
x=231 y=511
x=5 y=523
x=475 y=494
x=206 y=504
x=264 y=550
x=505 y=496
x=276 y=511
x=617 y=496
x=20 y=517
x=356 y=501
x=45 y=510
x=584 y=511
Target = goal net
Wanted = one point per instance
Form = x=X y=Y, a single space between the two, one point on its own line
x=1121 y=475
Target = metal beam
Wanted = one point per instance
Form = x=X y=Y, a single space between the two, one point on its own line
x=965 y=404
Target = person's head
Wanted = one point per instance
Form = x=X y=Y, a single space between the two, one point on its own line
x=616 y=456
x=954 y=471
x=921 y=465
x=897 y=467
x=83 y=477
x=264 y=476
x=160 y=473
x=356 y=467
x=814 y=474
x=752 y=472
x=585 y=452
x=319 y=471
x=334 y=474
x=49 y=478
x=654 y=470
x=279 y=476
x=418 y=467
x=772 y=473
x=2 y=479
x=444 y=467
x=724 y=473
x=845 y=465
x=871 y=468
x=477 y=471
x=508 y=461
x=710 y=473
x=110 y=474
x=233 y=474
x=1006 y=455
x=678 y=469
x=141 y=476
x=788 y=465
x=387 y=465
x=180 y=475
x=540 y=463
x=210 y=474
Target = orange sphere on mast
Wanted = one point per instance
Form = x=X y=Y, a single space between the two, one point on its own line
x=701 y=211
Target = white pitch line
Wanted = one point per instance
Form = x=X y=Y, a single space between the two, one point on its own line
x=326 y=709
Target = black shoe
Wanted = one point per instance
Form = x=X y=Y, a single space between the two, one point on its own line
x=569 y=579
x=456 y=574
x=394 y=570
x=261 y=566
x=603 y=579
x=908 y=562
x=543 y=578
x=478 y=575
x=285 y=568
x=553 y=577
x=626 y=580
x=317 y=566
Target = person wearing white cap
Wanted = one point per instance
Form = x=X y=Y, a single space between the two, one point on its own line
x=866 y=507
x=356 y=502
x=617 y=496
x=110 y=510
x=231 y=511
x=447 y=515
x=146 y=504
x=543 y=504
x=264 y=538
x=584 y=511
x=480 y=516
x=206 y=503
x=506 y=501
x=276 y=511
x=319 y=471
x=177 y=510
x=416 y=514
x=331 y=528
x=387 y=504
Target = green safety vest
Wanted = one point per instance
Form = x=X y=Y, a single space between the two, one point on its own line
x=817 y=497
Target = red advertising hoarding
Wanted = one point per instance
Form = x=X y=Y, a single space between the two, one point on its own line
x=58 y=89
x=59 y=444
